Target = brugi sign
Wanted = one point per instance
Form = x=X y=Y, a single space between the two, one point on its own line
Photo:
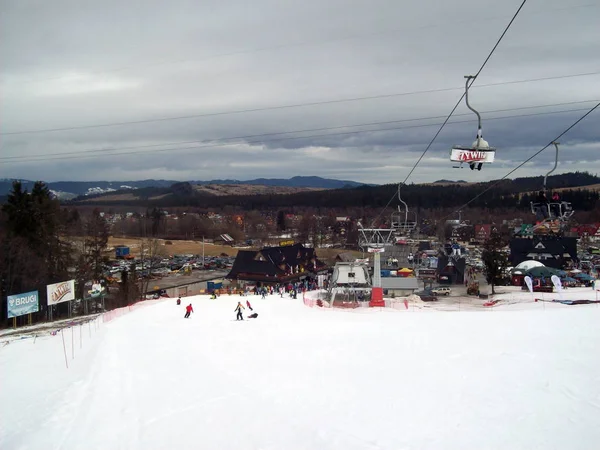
x=21 y=304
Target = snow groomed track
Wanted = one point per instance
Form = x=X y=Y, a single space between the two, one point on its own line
x=524 y=376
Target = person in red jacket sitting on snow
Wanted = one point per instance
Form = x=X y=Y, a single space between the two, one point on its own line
x=188 y=310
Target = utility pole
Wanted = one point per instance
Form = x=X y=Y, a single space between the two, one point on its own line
x=203 y=252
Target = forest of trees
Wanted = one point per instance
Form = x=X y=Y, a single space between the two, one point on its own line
x=42 y=243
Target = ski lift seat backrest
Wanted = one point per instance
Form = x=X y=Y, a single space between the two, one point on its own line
x=557 y=210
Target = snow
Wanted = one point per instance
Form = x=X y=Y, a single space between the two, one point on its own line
x=522 y=375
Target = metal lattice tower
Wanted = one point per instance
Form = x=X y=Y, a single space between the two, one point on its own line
x=376 y=240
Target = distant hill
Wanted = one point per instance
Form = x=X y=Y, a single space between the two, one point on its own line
x=449 y=182
x=507 y=193
x=185 y=192
x=66 y=190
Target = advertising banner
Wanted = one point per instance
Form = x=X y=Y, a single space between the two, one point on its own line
x=529 y=283
x=61 y=292
x=376 y=250
x=468 y=155
x=556 y=282
x=21 y=304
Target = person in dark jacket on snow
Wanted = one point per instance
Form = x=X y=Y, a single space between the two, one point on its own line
x=239 y=309
x=188 y=310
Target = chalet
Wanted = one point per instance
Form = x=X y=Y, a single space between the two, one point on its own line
x=276 y=264
x=451 y=270
x=585 y=230
x=555 y=252
x=524 y=230
x=483 y=232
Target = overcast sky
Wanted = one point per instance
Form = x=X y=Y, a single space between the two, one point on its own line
x=69 y=64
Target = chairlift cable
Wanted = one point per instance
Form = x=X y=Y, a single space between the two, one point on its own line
x=218 y=142
x=458 y=102
x=469 y=84
x=290 y=106
x=556 y=139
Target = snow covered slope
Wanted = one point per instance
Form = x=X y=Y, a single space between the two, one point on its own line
x=302 y=378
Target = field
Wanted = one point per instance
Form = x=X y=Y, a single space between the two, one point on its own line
x=179 y=247
x=176 y=247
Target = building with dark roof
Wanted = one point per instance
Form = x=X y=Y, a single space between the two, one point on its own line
x=555 y=252
x=276 y=264
x=451 y=269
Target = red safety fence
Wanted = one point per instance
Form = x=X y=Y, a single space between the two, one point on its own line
x=118 y=312
x=315 y=298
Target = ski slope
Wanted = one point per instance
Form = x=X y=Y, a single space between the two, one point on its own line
x=308 y=378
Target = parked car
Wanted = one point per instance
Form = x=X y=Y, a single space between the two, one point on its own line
x=441 y=291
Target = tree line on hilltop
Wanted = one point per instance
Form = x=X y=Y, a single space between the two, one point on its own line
x=517 y=194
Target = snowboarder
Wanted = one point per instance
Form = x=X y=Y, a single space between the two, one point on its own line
x=179 y=301
x=249 y=305
x=239 y=309
x=188 y=310
x=253 y=316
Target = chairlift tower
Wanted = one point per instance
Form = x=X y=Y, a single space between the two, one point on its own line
x=375 y=240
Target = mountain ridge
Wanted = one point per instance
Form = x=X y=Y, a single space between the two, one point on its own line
x=67 y=190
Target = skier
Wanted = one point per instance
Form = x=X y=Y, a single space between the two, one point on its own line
x=239 y=308
x=249 y=305
x=188 y=310
x=179 y=301
x=253 y=316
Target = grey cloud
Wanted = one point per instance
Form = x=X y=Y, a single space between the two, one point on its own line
x=111 y=61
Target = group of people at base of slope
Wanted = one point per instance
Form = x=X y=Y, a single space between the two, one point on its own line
x=239 y=308
x=290 y=288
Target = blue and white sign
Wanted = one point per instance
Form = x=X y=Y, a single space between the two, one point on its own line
x=21 y=304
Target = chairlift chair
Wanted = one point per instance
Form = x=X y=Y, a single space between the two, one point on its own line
x=551 y=210
x=479 y=152
x=400 y=219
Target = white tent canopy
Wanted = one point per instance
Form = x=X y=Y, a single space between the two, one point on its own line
x=530 y=264
x=524 y=266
